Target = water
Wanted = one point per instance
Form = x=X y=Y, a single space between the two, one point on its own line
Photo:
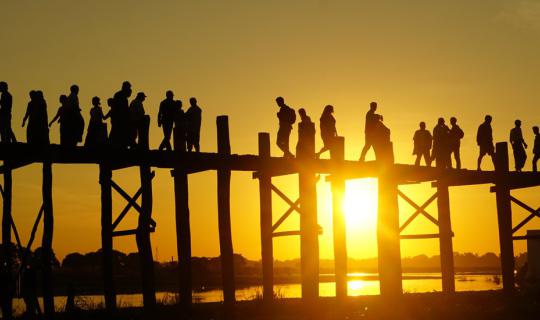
x=426 y=282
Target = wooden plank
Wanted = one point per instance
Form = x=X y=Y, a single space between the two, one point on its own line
x=46 y=242
x=105 y=179
x=265 y=201
x=337 y=153
x=131 y=232
x=224 y=218
x=445 y=241
x=504 y=217
x=419 y=236
x=6 y=266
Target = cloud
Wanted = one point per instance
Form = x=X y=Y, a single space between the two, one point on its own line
x=522 y=14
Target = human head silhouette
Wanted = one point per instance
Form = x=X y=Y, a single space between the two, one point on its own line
x=423 y=125
x=280 y=101
x=517 y=123
x=302 y=113
x=96 y=102
x=453 y=121
x=32 y=94
x=74 y=89
x=169 y=94
x=373 y=106
x=39 y=95
x=178 y=104
x=440 y=121
x=192 y=101
x=487 y=119
x=328 y=109
x=126 y=88
x=63 y=99
x=140 y=96
x=3 y=86
x=535 y=130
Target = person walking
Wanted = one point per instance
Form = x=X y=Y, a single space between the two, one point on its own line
x=441 y=150
x=120 y=124
x=287 y=117
x=136 y=118
x=422 y=145
x=455 y=136
x=370 y=129
x=328 y=129
x=518 y=146
x=75 y=118
x=6 y=104
x=166 y=116
x=64 y=116
x=37 y=131
x=193 y=125
x=179 y=134
x=96 y=135
x=305 y=147
x=536 y=148
x=484 y=139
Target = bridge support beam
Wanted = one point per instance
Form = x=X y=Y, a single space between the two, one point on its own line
x=6 y=276
x=504 y=216
x=445 y=238
x=224 y=218
x=337 y=153
x=105 y=177
x=388 y=238
x=309 y=229
x=144 y=244
x=265 y=193
x=46 y=244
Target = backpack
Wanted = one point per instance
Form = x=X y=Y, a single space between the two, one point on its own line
x=291 y=115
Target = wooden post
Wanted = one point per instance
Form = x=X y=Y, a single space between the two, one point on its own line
x=105 y=176
x=224 y=216
x=337 y=153
x=183 y=230
x=144 y=243
x=388 y=241
x=445 y=239
x=6 y=276
x=46 y=244
x=309 y=229
x=265 y=193
x=504 y=215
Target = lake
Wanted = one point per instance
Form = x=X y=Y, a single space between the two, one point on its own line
x=425 y=282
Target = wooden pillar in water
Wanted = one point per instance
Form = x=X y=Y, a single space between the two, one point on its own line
x=6 y=276
x=46 y=243
x=309 y=229
x=337 y=153
x=445 y=238
x=388 y=240
x=265 y=192
x=224 y=216
x=105 y=176
x=183 y=230
x=144 y=243
x=504 y=216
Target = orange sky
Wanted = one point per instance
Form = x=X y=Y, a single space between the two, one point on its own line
x=418 y=59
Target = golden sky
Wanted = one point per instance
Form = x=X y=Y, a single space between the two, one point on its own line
x=419 y=59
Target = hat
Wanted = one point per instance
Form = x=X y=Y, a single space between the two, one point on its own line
x=141 y=94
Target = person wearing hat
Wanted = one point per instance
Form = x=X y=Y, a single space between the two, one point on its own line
x=136 y=117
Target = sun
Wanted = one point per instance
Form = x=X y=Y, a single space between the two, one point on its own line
x=360 y=204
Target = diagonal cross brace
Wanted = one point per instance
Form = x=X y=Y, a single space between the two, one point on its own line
x=534 y=213
x=419 y=210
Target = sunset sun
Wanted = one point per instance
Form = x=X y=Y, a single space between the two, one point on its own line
x=360 y=204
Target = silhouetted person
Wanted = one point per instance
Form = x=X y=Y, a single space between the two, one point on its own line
x=136 y=117
x=422 y=145
x=287 y=117
x=455 y=136
x=484 y=139
x=6 y=104
x=166 y=115
x=120 y=124
x=75 y=117
x=193 y=125
x=328 y=129
x=96 y=135
x=441 y=147
x=381 y=141
x=536 y=148
x=306 y=136
x=518 y=146
x=37 y=131
x=372 y=122
x=65 y=117
x=179 y=128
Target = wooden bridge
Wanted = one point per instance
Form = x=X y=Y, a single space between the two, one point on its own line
x=264 y=167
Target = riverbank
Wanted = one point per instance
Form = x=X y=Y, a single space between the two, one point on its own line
x=462 y=306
